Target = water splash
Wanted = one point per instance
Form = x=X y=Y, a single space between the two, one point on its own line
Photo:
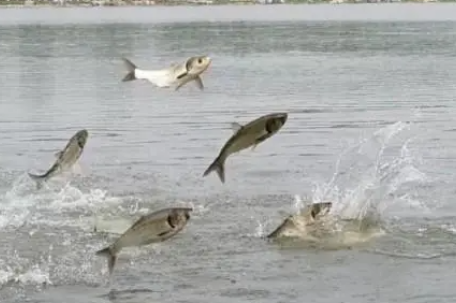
x=22 y=204
x=23 y=271
x=371 y=174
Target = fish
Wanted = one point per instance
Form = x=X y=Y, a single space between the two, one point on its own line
x=66 y=158
x=245 y=136
x=152 y=228
x=300 y=223
x=315 y=225
x=175 y=75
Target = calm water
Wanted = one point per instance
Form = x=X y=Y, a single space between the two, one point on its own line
x=370 y=94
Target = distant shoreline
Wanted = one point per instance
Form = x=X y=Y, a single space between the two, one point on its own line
x=152 y=3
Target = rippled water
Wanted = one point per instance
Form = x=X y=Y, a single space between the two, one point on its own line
x=371 y=127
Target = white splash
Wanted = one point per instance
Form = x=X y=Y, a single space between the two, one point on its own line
x=369 y=175
x=24 y=205
x=22 y=272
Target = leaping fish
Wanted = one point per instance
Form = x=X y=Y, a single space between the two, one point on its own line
x=176 y=75
x=245 y=136
x=65 y=158
x=152 y=228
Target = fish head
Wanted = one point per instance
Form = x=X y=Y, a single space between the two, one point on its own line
x=304 y=223
x=275 y=122
x=319 y=210
x=197 y=65
x=178 y=217
x=81 y=137
x=316 y=211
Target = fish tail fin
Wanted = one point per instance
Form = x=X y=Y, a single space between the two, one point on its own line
x=111 y=255
x=219 y=166
x=130 y=76
x=39 y=180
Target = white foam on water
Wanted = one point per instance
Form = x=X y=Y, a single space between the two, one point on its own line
x=24 y=204
x=22 y=271
x=369 y=175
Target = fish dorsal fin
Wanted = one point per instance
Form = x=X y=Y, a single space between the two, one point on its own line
x=58 y=154
x=236 y=127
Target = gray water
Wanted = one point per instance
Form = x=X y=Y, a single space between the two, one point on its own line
x=370 y=94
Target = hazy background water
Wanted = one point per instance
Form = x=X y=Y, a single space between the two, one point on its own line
x=370 y=95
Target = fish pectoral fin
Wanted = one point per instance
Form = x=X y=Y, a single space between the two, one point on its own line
x=260 y=139
x=162 y=234
x=236 y=127
x=58 y=154
x=182 y=75
x=199 y=83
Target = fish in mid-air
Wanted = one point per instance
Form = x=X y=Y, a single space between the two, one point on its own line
x=152 y=228
x=245 y=136
x=301 y=223
x=66 y=158
x=176 y=75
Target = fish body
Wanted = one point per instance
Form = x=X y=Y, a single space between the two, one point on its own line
x=176 y=75
x=303 y=223
x=314 y=225
x=152 y=228
x=245 y=136
x=66 y=158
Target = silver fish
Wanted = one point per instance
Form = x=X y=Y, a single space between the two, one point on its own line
x=315 y=226
x=245 y=136
x=65 y=158
x=176 y=75
x=302 y=222
x=152 y=228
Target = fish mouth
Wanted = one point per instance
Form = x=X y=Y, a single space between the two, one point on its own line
x=186 y=212
x=83 y=133
x=282 y=117
x=208 y=63
x=82 y=136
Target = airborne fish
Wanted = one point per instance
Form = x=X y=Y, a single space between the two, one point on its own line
x=152 y=228
x=245 y=136
x=301 y=223
x=175 y=75
x=65 y=158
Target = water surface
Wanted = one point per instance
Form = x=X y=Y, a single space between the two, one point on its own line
x=370 y=95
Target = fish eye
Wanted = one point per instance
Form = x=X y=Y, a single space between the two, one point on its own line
x=81 y=142
x=200 y=61
x=272 y=125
